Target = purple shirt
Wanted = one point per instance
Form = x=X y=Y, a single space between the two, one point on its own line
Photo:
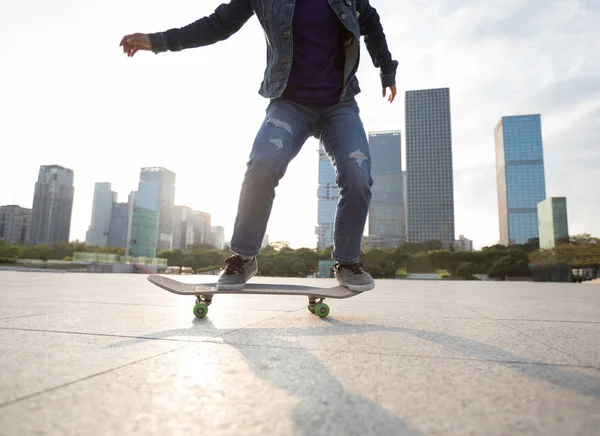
x=317 y=72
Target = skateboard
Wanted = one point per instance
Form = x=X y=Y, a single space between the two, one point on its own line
x=204 y=293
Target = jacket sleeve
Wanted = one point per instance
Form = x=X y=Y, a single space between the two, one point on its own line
x=371 y=29
x=227 y=19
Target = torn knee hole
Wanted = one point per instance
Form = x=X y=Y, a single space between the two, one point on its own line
x=277 y=142
x=359 y=157
x=276 y=122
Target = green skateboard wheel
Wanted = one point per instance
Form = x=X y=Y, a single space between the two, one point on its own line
x=311 y=308
x=200 y=310
x=321 y=310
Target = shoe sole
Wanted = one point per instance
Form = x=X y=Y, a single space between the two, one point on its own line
x=358 y=288
x=234 y=286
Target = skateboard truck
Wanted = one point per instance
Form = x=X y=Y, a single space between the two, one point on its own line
x=201 y=306
x=317 y=307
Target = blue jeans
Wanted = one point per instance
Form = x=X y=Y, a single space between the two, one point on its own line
x=286 y=128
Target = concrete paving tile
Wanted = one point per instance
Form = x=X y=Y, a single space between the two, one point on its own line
x=540 y=310
x=158 y=297
x=158 y=322
x=208 y=389
x=23 y=309
x=229 y=390
x=531 y=301
x=32 y=362
x=378 y=331
x=446 y=397
x=581 y=340
x=20 y=285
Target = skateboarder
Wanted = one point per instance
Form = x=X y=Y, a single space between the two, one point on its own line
x=312 y=58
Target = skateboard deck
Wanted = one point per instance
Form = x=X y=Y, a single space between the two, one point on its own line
x=204 y=293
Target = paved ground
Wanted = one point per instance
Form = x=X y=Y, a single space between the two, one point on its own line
x=114 y=355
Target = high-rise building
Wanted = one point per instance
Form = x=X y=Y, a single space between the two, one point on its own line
x=404 y=198
x=553 y=223
x=144 y=232
x=52 y=205
x=198 y=229
x=520 y=175
x=430 y=183
x=265 y=241
x=463 y=243
x=218 y=237
x=15 y=224
x=386 y=211
x=156 y=192
x=104 y=198
x=180 y=217
x=120 y=223
x=328 y=194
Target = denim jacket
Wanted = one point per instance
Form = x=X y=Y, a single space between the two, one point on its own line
x=275 y=16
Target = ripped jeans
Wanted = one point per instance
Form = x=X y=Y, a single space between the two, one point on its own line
x=286 y=128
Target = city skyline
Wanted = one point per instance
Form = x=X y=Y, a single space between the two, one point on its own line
x=466 y=46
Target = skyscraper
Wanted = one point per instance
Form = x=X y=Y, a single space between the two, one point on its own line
x=430 y=183
x=15 y=224
x=198 y=229
x=144 y=232
x=520 y=175
x=104 y=198
x=156 y=192
x=553 y=223
x=120 y=223
x=218 y=237
x=52 y=205
x=386 y=211
x=180 y=217
x=328 y=194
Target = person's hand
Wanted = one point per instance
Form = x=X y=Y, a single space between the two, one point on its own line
x=134 y=42
x=392 y=95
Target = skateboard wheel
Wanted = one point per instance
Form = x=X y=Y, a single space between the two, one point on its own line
x=200 y=310
x=311 y=308
x=321 y=310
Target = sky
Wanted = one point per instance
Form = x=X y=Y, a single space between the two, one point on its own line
x=69 y=96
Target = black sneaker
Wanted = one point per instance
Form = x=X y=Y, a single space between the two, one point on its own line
x=236 y=273
x=353 y=277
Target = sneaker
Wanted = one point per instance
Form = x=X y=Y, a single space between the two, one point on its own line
x=236 y=273
x=353 y=277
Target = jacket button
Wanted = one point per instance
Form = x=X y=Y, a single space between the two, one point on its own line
x=343 y=16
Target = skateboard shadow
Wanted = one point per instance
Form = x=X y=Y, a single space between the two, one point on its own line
x=325 y=405
x=561 y=376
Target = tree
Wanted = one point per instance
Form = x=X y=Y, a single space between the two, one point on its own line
x=501 y=268
x=514 y=264
x=466 y=270
x=441 y=259
x=10 y=253
x=299 y=269
x=420 y=263
x=582 y=239
x=266 y=269
x=432 y=245
x=267 y=249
